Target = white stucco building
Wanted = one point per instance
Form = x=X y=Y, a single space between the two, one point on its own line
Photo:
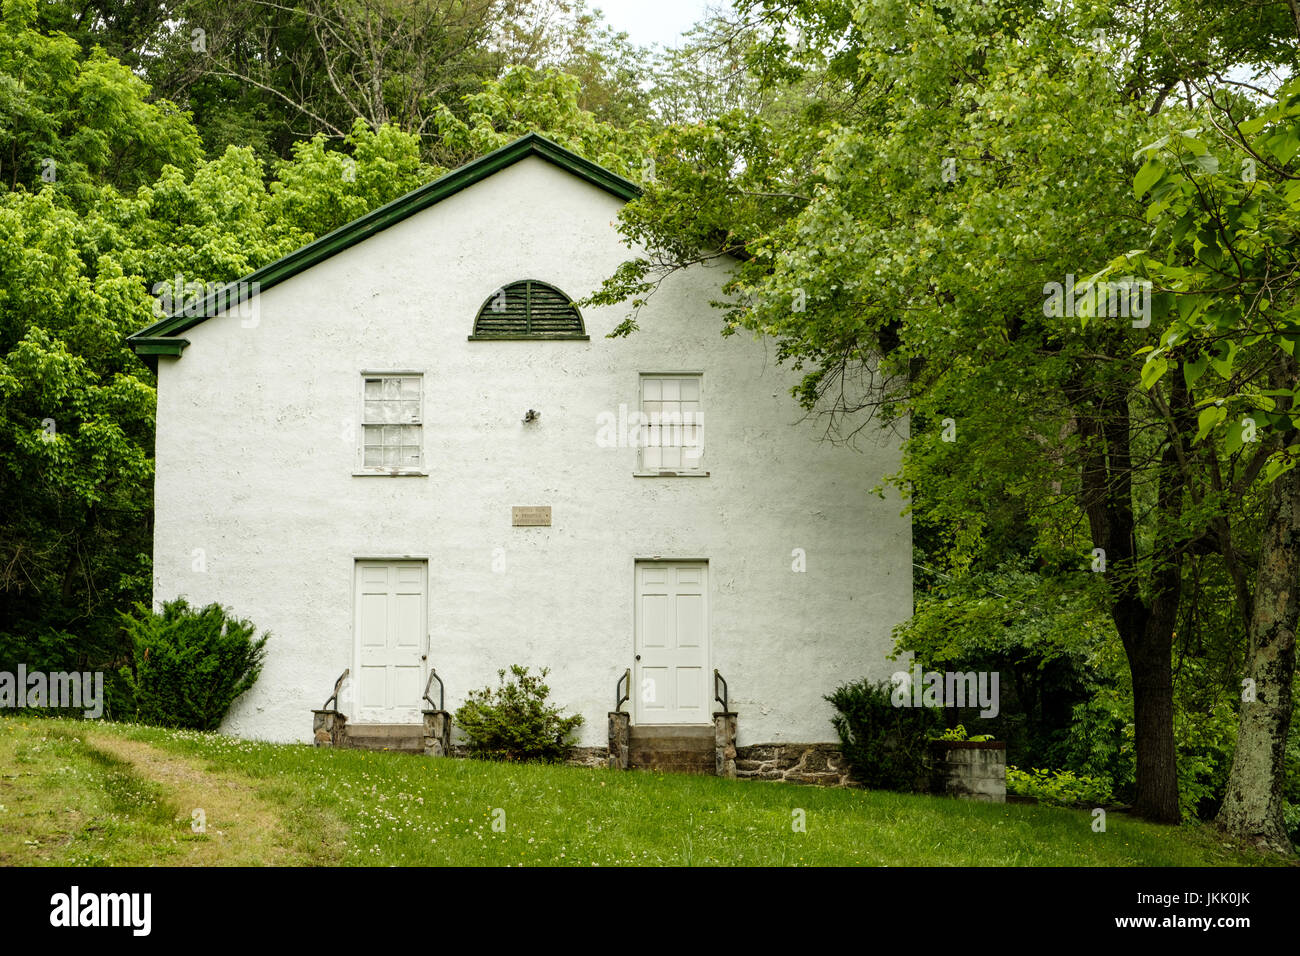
x=343 y=460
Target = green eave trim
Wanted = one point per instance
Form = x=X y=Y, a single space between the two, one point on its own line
x=379 y=220
x=157 y=346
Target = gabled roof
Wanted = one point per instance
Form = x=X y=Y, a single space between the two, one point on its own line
x=161 y=338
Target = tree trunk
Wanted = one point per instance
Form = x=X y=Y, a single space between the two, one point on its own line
x=1153 y=723
x=1146 y=628
x=1252 y=806
x=1150 y=655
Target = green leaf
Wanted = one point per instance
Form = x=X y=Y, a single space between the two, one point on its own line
x=1279 y=463
x=1147 y=177
x=1181 y=226
x=1193 y=369
x=1232 y=442
x=1152 y=369
x=1223 y=362
x=1190 y=306
x=1209 y=419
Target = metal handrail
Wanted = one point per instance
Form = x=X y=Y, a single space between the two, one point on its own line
x=334 y=698
x=433 y=675
x=723 y=699
x=623 y=698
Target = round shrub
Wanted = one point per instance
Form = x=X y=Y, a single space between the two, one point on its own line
x=188 y=665
x=516 y=720
x=886 y=746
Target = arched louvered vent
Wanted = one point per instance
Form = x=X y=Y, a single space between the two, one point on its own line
x=528 y=310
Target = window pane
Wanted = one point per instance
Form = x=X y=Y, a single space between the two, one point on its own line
x=390 y=414
x=652 y=390
x=690 y=389
x=672 y=389
x=671 y=458
x=670 y=427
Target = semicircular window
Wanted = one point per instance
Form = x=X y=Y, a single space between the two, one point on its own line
x=528 y=309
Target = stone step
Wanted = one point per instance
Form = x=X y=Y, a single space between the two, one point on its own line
x=686 y=753
x=672 y=730
x=667 y=737
x=385 y=730
x=672 y=748
x=672 y=762
x=401 y=738
x=412 y=745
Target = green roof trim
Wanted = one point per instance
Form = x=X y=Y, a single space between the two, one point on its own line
x=154 y=345
x=156 y=339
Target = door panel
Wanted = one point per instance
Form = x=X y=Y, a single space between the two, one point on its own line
x=671 y=676
x=391 y=626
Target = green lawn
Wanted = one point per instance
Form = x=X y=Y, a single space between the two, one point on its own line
x=95 y=793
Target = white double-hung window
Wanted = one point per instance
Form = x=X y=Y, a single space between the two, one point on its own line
x=672 y=424
x=392 y=422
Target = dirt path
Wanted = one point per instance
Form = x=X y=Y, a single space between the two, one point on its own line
x=241 y=828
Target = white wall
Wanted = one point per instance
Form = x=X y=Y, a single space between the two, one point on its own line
x=257 y=446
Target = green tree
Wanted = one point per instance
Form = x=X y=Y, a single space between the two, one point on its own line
x=898 y=243
x=1224 y=201
x=76 y=407
x=79 y=120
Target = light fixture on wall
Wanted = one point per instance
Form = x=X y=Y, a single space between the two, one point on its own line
x=532 y=416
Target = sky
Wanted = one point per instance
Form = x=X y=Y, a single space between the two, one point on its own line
x=654 y=21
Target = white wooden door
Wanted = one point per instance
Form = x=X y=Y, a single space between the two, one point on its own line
x=391 y=625
x=671 y=676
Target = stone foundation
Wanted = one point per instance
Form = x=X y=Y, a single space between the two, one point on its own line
x=437 y=733
x=588 y=757
x=724 y=744
x=619 y=740
x=327 y=727
x=821 y=764
x=578 y=756
x=971 y=770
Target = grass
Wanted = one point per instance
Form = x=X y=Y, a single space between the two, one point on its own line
x=74 y=793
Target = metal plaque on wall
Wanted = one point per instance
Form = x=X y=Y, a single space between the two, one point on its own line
x=531 y=516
